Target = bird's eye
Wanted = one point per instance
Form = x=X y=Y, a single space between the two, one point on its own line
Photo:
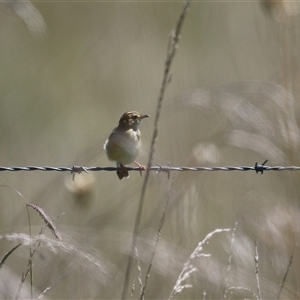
x=135 y=117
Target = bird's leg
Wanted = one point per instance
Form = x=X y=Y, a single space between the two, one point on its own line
x=142 y=167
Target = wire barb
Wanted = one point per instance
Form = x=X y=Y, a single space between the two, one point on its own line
x=165 y=169
x=78 y=169
x=260 y=168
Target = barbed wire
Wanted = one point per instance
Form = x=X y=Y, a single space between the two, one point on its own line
x=258 y=168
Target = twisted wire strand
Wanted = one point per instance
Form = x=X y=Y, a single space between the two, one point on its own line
x=158 y=168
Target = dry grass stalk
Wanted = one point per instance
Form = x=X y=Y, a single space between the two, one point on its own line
x=47 y=220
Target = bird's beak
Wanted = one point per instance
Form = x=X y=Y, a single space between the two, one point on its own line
x=144 y=116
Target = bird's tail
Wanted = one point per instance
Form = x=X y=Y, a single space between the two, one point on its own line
x=122 y=172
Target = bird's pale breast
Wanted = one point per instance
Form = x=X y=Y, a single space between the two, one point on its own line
x=123 y=146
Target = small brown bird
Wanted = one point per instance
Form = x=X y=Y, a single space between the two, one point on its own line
x=124 y=143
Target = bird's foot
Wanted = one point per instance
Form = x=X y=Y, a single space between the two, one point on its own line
x=142 y=167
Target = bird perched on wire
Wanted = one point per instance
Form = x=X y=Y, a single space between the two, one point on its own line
x=124 y=143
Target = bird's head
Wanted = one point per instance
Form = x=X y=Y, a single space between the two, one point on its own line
x=131 y=119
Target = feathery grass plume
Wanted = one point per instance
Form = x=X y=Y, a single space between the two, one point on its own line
x=41 y=296
x=189 y=268
x=139 y=268
x=243 y=289
x=47 y=220
x=97 y=265
x=229 y=263
x=256 y=258
x=30 y=15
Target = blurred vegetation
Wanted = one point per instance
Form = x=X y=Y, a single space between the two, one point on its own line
x=68 y=70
